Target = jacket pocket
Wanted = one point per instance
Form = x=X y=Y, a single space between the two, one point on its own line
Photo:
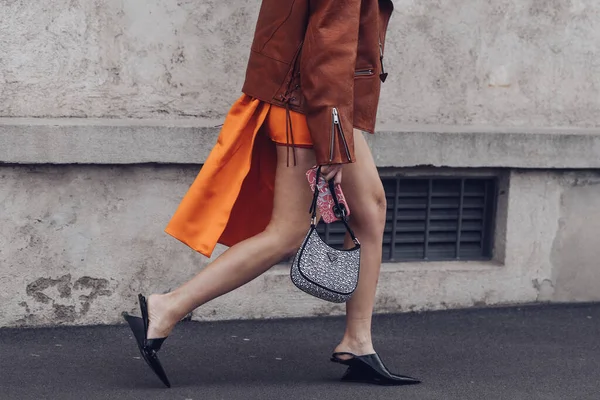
x=366 y=72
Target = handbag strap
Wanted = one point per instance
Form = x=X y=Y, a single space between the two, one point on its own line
x=313 y=207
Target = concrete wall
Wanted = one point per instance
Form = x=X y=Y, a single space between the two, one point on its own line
x=106 y=90
x=78 y=242
x=504 y=62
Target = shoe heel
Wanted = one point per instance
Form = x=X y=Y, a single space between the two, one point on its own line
x=148 y=348
x=356 y=374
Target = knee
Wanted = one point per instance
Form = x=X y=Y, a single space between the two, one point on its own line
x=371 y=215
x=379 y=210
x=380 y=205
x=377 y=206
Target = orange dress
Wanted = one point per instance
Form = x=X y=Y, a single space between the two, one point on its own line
x=231 y=199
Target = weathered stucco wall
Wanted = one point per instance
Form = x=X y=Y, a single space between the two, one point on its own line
x=507 y=62
x=114 y=58
x=77 y=243
x=576 y=253
x=502 y=62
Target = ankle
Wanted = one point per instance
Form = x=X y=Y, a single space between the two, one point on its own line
x=358 y=338
x=174 y=307
x=356 y=345
x=162 y=308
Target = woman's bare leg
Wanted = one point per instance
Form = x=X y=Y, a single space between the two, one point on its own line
x=246 y=260
x=366 y=199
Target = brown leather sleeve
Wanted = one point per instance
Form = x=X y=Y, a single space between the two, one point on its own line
x=327 y=77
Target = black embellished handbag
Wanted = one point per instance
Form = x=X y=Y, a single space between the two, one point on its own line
x=321 y=270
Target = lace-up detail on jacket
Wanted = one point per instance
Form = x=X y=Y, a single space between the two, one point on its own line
x=289 y=130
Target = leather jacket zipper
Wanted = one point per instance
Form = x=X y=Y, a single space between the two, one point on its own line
x=336 y=123
x=383 y=76
x=332 y=134
x=364 y=72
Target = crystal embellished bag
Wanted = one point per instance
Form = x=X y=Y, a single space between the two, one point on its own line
x=319 y=269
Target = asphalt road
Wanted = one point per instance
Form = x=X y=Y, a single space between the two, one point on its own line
x=546 y=353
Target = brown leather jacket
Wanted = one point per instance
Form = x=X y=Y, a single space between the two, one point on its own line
x=322 y=58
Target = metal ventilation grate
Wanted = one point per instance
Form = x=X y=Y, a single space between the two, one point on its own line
x=433 y=219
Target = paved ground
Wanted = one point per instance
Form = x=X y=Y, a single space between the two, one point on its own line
x=519 y=353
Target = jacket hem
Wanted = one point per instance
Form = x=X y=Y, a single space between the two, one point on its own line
x=275 y=102
x=297 y=109
x=371 y=131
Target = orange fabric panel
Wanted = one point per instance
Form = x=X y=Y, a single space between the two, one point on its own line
x=231 y=199
x=203 y=214
x=252 y=210
x=275 y=124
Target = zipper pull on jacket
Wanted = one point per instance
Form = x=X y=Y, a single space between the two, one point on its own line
x=336 y=127
x=327 y=74
x=383 y=76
